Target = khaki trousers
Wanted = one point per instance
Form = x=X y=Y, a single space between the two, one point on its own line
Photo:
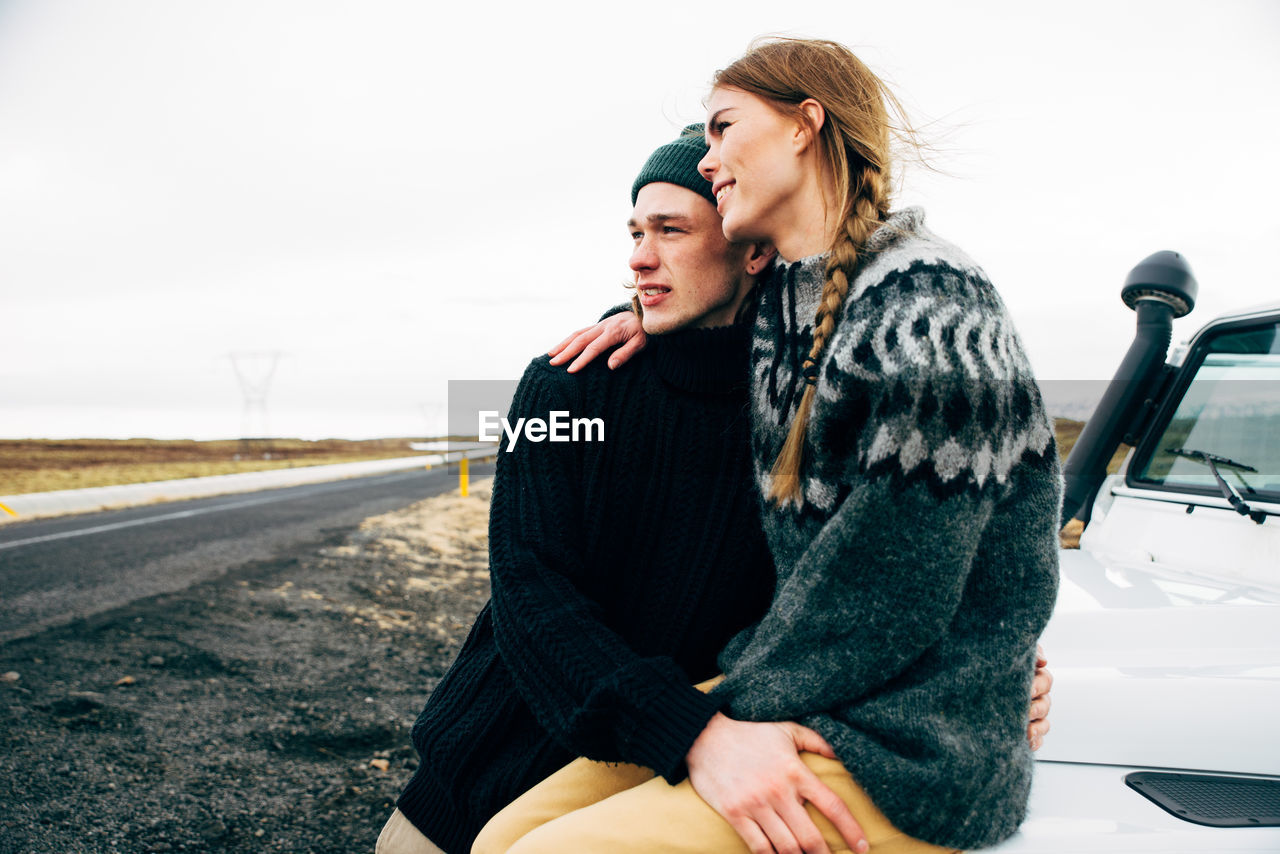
x=613 y=808
x=597 y=808
x=399 y=836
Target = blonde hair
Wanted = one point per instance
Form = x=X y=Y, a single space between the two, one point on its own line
x=854 y=142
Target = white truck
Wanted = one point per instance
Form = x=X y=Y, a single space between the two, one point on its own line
x=1165 y=642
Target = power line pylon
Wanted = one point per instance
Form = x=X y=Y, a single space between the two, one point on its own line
x=254 y=371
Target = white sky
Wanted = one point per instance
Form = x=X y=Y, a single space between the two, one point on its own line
x=395 y=194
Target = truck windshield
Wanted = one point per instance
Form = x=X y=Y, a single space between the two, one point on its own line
x=1231 y=409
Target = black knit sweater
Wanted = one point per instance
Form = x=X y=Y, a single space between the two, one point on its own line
x=619 y=570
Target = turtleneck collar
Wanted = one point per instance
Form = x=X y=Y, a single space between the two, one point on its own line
x=811 y=271
x=704 y=361
x=808 y=274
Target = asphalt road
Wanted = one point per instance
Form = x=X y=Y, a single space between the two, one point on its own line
x=54 y=571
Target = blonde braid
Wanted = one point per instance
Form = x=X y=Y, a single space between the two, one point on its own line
x=869 y=208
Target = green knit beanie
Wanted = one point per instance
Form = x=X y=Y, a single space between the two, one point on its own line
x=677 y=163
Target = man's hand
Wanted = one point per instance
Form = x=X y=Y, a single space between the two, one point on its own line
x=622 y=328
x=752 y=774
x=1038 y=727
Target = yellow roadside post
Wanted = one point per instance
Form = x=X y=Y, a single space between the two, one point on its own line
x=463 y=475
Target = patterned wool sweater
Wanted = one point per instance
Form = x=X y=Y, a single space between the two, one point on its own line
x=919 y=569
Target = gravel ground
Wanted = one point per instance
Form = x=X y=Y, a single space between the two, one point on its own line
x=266 y=710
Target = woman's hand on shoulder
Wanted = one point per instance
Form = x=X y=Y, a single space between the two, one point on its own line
x=623 y=329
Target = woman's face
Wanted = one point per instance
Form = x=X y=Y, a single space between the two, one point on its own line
x=753 y=164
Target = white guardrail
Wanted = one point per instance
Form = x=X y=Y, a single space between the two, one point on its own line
x=34 y=505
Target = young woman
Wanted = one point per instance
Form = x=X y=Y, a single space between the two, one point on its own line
x=911 y=492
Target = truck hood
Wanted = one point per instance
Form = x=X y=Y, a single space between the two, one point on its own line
x=1159 y=669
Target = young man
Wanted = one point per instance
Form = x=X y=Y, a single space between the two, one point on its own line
x=610 y=599
x=612 y=594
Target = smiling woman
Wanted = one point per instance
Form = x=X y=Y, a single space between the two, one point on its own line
x=757 y=186
x=911 y=494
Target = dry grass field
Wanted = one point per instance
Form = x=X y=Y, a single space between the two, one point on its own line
x=41 y=465
x=1068 y=431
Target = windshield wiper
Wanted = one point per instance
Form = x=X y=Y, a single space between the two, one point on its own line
x=1228 y=491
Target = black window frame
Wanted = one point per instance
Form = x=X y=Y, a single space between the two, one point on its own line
x=1191 y=364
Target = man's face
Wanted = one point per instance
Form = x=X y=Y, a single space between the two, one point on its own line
x=687 y=274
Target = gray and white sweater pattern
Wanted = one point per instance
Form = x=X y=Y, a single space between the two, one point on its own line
x=918 y=570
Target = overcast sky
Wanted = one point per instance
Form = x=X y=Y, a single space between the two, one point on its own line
x=395 y=194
